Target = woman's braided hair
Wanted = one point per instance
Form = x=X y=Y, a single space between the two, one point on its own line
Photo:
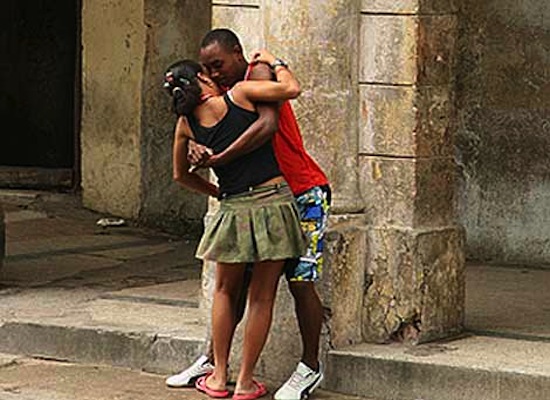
x=180 y=80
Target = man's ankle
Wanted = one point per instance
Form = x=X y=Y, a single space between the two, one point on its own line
x=313 y=365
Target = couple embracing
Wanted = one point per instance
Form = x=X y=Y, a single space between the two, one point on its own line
x=235 y=118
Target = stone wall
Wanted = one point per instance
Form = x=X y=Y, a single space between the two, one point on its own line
x=2 y=236
x=175 y=29
x=375 y=111
x=503 y=87
x=113 y=42
x=127 y=126
x=414 y=273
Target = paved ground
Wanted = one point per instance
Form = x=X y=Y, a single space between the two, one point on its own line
x=128 y=297
x=104 y=297
x=53 y=243
x=30 y=379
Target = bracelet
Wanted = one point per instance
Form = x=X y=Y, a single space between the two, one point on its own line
x=278 y=63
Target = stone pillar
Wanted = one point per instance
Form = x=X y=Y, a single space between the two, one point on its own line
x=375 y=112
x=113 y=47
x=414 y=276
x=127 y=125
x=244 y=17
x=310 y=36
x=319 y=39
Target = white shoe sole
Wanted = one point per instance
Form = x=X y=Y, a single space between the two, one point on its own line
x=307 y=391
x=190 y=384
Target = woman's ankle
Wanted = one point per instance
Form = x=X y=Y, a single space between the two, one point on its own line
x=216 y=381
x=245 y=386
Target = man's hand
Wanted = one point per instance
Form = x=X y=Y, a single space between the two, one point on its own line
x=262 y=56
x=198 y=155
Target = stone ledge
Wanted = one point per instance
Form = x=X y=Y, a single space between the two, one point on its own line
x=148 y=352
x=31 y=177
x=474 y=368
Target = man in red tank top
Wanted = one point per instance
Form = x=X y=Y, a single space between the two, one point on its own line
x=221 y=53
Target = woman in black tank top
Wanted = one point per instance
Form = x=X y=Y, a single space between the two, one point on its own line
x=257 y=221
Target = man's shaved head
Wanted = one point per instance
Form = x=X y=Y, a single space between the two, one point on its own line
x=222 y=55
x=225 y=37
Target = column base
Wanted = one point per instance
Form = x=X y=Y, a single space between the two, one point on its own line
x=414 y=284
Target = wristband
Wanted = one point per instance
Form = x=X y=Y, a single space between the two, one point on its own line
x=278 y=63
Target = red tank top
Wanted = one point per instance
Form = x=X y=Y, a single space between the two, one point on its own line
x=299 y=169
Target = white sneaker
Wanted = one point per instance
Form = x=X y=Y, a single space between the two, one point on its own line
x=301 y=384
x=188 y=376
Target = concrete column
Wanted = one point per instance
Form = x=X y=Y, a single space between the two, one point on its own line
x=244 y=17
x=113 y=47
x=319 y=39
x=315 y=37
x=127 y=123
x=414 y=276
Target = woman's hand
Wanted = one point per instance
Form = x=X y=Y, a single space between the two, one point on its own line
x=198 y=154
x=262 y=56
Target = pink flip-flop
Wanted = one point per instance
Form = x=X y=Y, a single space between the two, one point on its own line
x=260 y=391
x=200 y=384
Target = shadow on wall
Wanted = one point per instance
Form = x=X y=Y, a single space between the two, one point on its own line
x=503 y=134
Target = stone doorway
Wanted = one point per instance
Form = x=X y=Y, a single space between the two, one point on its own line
x=39 y=92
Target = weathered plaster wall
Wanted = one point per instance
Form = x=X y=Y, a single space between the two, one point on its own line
x=414 y=274
x=503 y=87
x=318 y=38
x=175 y=29
x=113 y=38
x=394 y=266
x=244 y=17
x=127 y=125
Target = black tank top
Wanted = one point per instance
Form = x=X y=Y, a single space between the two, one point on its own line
x=246 y=171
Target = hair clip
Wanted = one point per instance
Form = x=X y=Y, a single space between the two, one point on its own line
x=185 y=81
x=176 y=89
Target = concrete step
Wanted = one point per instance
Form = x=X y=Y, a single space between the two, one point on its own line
x=32 y=379
x=471 y=368
x=158 y=328
x=127 y=328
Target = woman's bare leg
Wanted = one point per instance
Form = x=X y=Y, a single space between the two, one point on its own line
x=261 y=296
x=229 y=280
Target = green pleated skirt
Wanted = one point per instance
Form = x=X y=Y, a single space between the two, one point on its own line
x=259 y=225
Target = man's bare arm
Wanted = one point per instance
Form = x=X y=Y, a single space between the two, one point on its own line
x=261 y=131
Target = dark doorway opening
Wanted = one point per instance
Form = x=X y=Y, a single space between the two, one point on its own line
x=39 y=73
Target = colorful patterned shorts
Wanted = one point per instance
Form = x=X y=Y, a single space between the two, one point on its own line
x=313 y=207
